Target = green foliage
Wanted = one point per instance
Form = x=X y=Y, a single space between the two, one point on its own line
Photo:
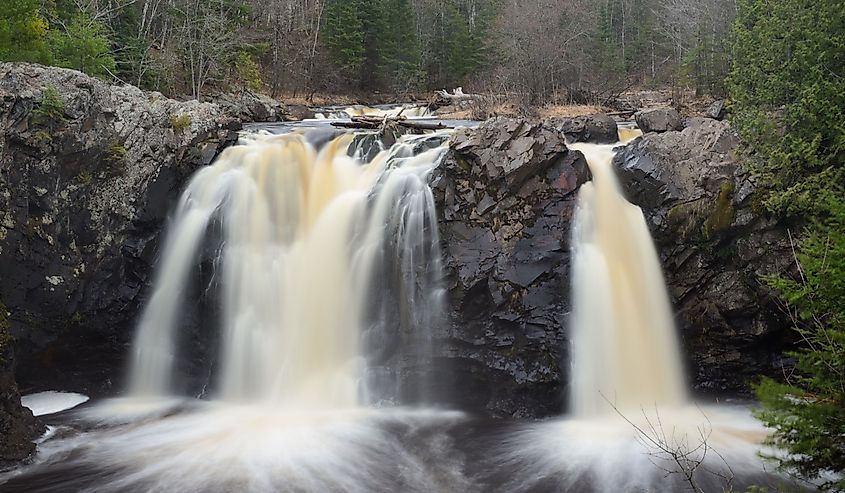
x=23 y=32
x=83 y=177
x=180 y=122
x=808 y=411
x=83 y=45
x=723 y=213
x=51 y=108
x=247 y=71
x=115 y=156
x=344 y=37
x=788 y=91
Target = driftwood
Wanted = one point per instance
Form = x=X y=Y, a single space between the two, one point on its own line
x=621 y=113
x=377 y=123
x=457 y=95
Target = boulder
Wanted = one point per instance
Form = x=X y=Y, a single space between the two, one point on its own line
x=715 y=243
x=298 y=112
x=717 y=110
x=596 y=129
x=88 y=174
x=659 y=120
x=506 y=194
x=248 y=106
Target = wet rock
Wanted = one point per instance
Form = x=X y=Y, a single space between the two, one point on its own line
x=506 y=193
x=715 y=244
x=596 y=129
x=298 y=112
x=659 y=120
x=17 y=425
x=88 y=174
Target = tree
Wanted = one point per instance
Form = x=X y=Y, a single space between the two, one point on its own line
x=23 y=32
x=788 y=88
x=807 y=412
x=83 y=44
x=788 y=91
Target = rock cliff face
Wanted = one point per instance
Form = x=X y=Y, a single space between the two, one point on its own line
x=715 y=243
x=88 y=173
x=507 y=195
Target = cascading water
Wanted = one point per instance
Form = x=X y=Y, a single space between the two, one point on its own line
x=624 y=349
x=629 y=408
x=302 y=233
x=327 y=274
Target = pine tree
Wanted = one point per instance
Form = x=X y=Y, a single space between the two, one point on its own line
x=788 y=91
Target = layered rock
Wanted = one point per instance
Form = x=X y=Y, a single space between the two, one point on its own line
x=506 y=193
x=715 y=244
x=88 y=173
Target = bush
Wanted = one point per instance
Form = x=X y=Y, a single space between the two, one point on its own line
x=180 y=122
x=50 y=109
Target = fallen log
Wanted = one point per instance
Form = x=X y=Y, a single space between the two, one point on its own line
x=376 y=123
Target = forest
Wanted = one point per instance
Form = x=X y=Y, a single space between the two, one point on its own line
x=537 y=51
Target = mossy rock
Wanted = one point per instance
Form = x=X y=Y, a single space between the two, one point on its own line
x=723 y=213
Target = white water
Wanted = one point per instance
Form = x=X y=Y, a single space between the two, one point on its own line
x=625 y=351
x=302 y=232
x=50 y=402
x=629 y=408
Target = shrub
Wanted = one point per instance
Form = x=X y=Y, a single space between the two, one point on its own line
x=180 y=122
x=51 y=108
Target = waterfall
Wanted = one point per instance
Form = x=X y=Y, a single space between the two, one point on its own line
x=305 y=242
x=624 y=345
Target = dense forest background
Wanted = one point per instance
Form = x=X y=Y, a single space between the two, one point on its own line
x=534 y=50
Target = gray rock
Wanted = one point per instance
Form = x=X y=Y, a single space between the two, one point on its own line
x=717 y=110
x=88 y=174
x=248 y=106
x=596 y=129
x=507 y=265
x=699 y=204
x=298 y=112
x=659 y=120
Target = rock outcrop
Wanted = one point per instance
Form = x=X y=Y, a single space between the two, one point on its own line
x=715 y=243
x=88 y=174
x=659 y=120
x=506 y=193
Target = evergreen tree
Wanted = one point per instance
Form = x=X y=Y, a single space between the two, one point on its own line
x=343 y=36
x=788 y=90
x=23 y=32
x=83 y=45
